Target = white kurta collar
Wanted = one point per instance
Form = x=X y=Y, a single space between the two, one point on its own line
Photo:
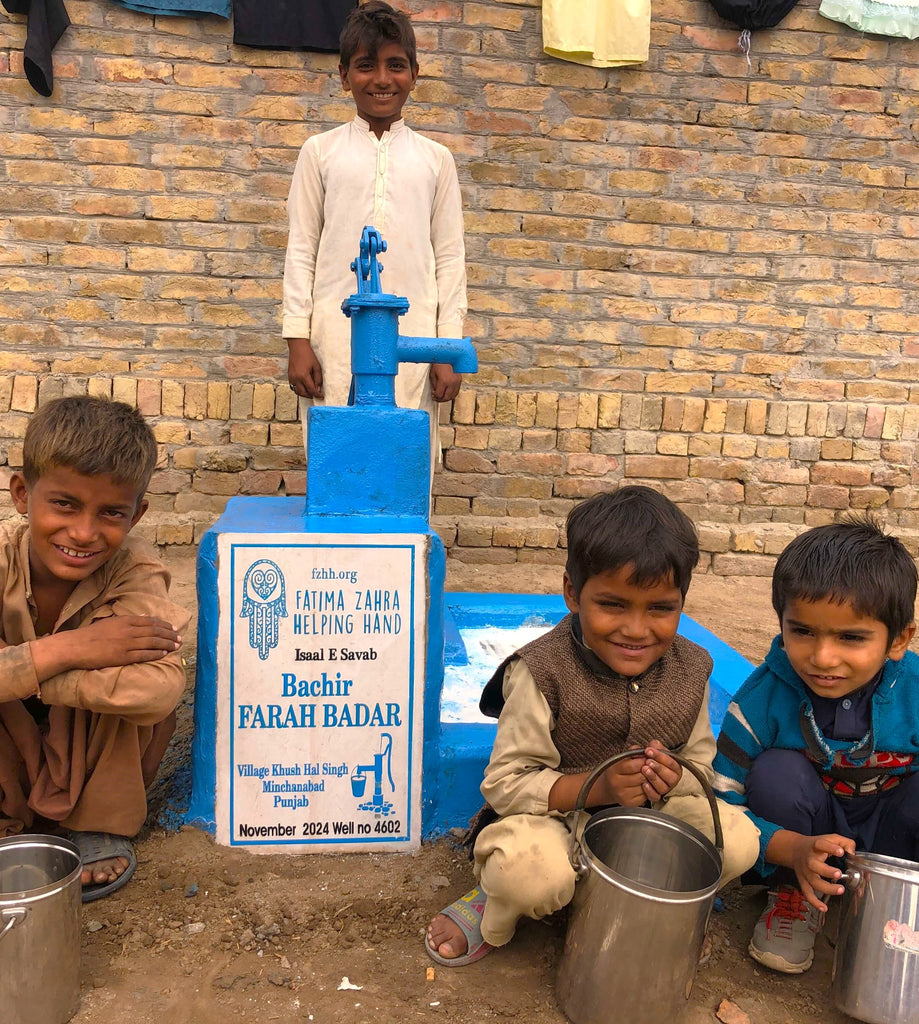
x=359 y=122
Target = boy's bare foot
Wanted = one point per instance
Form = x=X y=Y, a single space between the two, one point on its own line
x=108 y=862
x=101 y=871
x=446 y=937
x=454 y=936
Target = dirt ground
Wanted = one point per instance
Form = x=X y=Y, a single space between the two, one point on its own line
x=205 y=934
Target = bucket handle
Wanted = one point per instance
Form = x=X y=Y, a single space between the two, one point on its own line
x=581 y=802
x=13 y=916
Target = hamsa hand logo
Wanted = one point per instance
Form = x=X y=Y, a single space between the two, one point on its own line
x=264 y=605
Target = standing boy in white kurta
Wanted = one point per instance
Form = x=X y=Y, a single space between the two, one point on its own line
x=373 y=171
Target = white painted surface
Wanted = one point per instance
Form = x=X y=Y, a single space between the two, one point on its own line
x=486 y=648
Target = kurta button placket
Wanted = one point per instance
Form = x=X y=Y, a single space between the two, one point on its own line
x=379 y=185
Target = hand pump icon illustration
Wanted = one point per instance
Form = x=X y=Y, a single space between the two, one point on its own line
x=359 y=779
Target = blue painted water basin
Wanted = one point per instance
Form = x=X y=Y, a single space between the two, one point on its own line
x=480 y=630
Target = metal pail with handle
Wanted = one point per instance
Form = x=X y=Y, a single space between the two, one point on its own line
x=646 y=886
x=39 y=930
x=876 y=964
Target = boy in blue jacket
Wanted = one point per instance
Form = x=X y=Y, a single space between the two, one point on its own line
x=821 y=742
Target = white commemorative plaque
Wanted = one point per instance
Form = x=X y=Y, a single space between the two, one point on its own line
x=320 y=691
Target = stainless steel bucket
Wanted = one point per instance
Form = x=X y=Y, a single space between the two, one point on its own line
x=876 y=966
x=39 y=930
x=646 y=886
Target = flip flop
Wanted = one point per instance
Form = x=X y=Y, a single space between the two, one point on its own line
x=94 y=846
x=467 y=913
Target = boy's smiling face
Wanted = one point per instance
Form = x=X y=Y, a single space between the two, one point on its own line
x=834 y=649
x=380 y=84
x=76 y=522
x=628 y=627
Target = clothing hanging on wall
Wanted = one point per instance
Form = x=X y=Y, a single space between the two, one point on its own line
x=602 y=33
x=179 y=8
x=47 y=20
x=749 y=15
x=290 y=24
x=753 y=14
x=883 y=19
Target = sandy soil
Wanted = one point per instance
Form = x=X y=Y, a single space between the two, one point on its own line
x=204 y=933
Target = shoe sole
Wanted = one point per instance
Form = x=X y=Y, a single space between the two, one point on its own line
x=779 y=963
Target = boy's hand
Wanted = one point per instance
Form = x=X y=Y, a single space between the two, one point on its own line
x=809 y=860
x=660 y=770
x=807 y=855
x=445 y=383
x=622 y=784
x=304 y=371
x=123 y=640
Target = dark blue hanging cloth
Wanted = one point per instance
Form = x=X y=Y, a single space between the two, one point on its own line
x=290 y=24
x=47 y=20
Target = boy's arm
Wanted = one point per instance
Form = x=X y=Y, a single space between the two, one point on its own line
x=449 y=251
x=305 y=221
x=741 y=740
x=18 y=678
x=521 y=770
x=144 y=692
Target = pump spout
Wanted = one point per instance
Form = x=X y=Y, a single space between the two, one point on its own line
x=458 y=352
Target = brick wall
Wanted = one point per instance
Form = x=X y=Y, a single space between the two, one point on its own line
x=690 y=273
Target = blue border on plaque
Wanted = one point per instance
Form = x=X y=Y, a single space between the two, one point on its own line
x=322 y=840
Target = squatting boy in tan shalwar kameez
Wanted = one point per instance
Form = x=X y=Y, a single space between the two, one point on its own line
x=90 y=671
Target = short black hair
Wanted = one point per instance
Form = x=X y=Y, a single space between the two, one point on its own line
x=372 y=24
x=853 y=560
x=632 y=526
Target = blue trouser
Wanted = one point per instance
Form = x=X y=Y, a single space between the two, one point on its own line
x=784 y=787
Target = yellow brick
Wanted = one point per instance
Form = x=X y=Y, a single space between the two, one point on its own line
x=173 y=398
x=241 y=400
x=170 y=432
x=568 y=411
x=100 y=387
x=464 y=406
x=588 y=406
x=693 y=415
x=24 y=397
x=287 y=404
x=526 y=409
x=252 y=432
x=124 y=389
x=505 y=407
x=485 y=404
x=715 y=415
x=6 y=393
x=756 y=416
x=608 y=411
x=546 y=409
x=738 y=447
x=218 y=400
x=673 y=444
x=263 y=402
x=286 y=434
x=196 y=400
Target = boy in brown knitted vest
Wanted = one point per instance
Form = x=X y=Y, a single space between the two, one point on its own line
x=611 y=676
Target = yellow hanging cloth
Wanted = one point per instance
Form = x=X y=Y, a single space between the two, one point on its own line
x=602 y=33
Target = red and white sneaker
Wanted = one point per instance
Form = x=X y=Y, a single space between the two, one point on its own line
x=784 y=936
